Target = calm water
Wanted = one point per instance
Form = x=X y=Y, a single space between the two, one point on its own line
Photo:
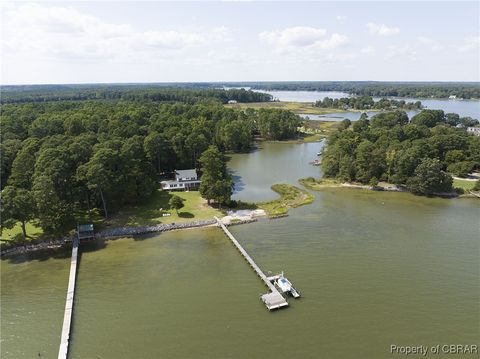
x=304 y=96
x=351 y=115
x=374 y=269
x=462 y=107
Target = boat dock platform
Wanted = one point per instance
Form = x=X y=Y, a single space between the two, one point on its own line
x=67 y=318
x=272 y=300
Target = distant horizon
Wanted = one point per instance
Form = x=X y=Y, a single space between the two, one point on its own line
x=239 y=82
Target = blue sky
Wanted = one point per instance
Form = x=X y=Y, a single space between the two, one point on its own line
x=83 y=42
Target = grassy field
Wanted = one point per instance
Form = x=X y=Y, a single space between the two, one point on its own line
x=12 y=233
x=313 y=130
x=318 y=184
x=463 y=184
x=296 y=107
x=290 y=197
x=195 y=208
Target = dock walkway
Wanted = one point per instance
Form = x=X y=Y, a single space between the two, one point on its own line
x=272 y=300
x=67 y=318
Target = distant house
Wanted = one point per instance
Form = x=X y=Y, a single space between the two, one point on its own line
x=474 y=130
x=452 y=97
x=232 y=101
x=184 y=180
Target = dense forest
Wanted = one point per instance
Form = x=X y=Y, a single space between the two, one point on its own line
x=59 y=158
x=417 y=153
x=367 y=103
x=194 y=91
x=42 y=93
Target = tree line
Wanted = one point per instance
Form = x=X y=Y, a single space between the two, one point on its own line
x=466 y=90
x=60 y=158
x=419 y=154
x=42 y=93
x=367 y=103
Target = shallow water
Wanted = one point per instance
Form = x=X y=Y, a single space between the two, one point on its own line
x=462 y=107
x=374 y=269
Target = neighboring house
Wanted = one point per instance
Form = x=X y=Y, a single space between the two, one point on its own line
x=474 y=130
x=452 y=97
x=232 y=101
x=184 y=180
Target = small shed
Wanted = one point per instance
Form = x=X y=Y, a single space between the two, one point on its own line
x=85 y=231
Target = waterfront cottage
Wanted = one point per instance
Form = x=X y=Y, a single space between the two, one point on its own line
x=184 y=180
x=474 y=130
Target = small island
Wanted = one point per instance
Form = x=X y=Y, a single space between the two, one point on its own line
x=367 y=103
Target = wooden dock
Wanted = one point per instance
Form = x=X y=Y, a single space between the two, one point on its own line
x=67 y=318
x=272 y=300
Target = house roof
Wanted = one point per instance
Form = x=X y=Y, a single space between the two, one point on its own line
x=186 y=173
x=85 y=227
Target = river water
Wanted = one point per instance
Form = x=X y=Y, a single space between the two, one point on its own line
x=464 y=108
x=374 y=269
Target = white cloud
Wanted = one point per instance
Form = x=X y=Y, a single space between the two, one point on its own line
x=382 y=29
x=302 y=38
x=428 y=43
x=367 y=50
x=56 y=32
x=336 y=40
x=402 y=51
x=470 y=43
x=424 y=40
x=297 y=36
x=341 y=18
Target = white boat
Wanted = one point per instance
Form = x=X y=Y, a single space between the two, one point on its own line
x=286 y=287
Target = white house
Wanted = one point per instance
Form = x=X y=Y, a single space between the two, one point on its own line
x=474 y=130
x=184 y=180
x=232 y=101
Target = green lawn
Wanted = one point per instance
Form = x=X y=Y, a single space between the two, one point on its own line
x=463 y=184
x=32 y=231
x=195 y=208
x=317 y=184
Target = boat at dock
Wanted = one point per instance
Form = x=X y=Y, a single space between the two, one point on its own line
x=286 y=286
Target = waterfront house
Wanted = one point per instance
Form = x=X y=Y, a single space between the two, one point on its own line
x=184 y=180
x=474 y=130
x=232 y=101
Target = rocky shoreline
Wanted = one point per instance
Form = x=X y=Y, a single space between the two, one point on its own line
x=115 y=233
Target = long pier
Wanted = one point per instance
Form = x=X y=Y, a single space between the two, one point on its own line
x=67 y=318
x=272 y=300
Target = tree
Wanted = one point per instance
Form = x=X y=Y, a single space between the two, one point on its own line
x=216 y=182
x=24 y=164
x=175 y=202
x=461 y=169
x=17 y=205
x=154 y=146
x=99 y=173
x=429 y=118
x=54 y=214
x=429 y=178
